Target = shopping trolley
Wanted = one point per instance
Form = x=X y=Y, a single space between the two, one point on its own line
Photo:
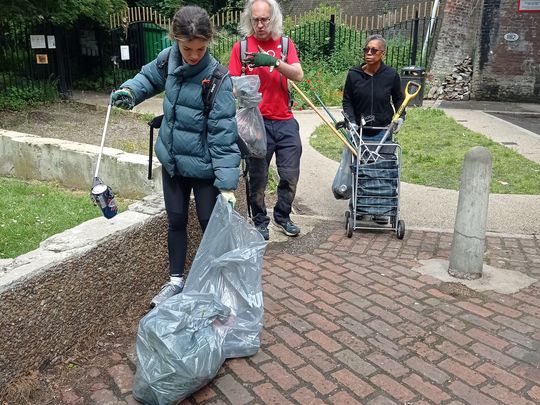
x=375 y=183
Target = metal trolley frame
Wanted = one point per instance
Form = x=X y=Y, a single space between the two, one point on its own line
x=376 y=185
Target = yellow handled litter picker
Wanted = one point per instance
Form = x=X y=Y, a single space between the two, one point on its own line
x=411 y=91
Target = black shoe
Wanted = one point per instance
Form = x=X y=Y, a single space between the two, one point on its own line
x=378 y=219
x=263 y=230
x=288 y=228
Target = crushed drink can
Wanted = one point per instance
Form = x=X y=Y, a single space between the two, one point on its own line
x=103 y=197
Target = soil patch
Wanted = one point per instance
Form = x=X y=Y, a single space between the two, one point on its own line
x=77 y=122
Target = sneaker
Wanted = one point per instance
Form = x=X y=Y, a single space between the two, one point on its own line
x=380 y=220
x=263 y=230
x=288 y=228
x=167 y=291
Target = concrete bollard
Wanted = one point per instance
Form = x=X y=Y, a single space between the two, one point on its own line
x=468 y=243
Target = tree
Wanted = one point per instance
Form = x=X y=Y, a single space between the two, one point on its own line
x=62 y=12
x=168 y=7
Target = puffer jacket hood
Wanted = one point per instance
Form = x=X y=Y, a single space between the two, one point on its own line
x=189 y=144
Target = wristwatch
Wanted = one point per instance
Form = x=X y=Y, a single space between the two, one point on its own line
x=278 y=62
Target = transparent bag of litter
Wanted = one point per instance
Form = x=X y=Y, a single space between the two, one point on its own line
x=228 y=264
x=179 y=348
x=249 y=120
x=342 y=184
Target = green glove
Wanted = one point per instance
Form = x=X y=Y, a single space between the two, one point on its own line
x=257 y=59
x=123 y=98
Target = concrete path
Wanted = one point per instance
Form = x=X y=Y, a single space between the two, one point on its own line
x=426 y=207
x=421 y=207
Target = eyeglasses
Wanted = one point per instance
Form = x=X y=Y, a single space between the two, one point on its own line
x=263 y=21
x=372 y=51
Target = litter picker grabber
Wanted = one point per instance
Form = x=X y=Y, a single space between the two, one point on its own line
x=366 y=154
x=101 y=194
x=334 y=130
x=411 y=91
x=336 y=123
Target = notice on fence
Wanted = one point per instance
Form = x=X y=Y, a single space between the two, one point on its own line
x=42 y=59
x=528 y=5
x=51 y=41
x=37 y=41
x=124 y=52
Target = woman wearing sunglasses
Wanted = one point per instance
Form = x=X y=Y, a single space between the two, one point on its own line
x=371 y=95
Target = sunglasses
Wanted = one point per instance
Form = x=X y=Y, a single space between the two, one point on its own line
x=372 y=51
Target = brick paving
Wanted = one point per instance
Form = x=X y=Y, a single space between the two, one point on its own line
x=349 y=322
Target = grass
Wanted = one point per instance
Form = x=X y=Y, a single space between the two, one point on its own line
x=31 y=211
x=434 y=146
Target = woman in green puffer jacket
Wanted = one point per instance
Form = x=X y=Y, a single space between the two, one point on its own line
x=196 y=153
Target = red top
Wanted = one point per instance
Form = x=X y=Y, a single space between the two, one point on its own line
x=275 y=96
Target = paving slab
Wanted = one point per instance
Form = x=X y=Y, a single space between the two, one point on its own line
x=351 y=321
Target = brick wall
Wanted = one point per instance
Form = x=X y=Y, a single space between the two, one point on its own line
x=456 y=37
x=503 y=70
x=507 y=70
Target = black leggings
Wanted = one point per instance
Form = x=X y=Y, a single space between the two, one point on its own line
x=176 y=192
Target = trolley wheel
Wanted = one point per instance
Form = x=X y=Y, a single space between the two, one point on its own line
x=400 y=230
x=349 y=227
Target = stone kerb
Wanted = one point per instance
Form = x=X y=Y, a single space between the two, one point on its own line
x=73 y=164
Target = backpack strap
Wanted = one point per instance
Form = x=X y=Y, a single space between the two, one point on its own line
x=243 y=50
x=162 y=62
x=210 y=87
x=284 y=47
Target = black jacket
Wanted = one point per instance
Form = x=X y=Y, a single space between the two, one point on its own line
x=376 y=95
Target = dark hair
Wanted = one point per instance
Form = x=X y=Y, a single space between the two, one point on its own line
x=376 y=37
x=191 y=22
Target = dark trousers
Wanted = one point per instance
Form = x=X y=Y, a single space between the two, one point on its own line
x=283 y=139
x=176 y=192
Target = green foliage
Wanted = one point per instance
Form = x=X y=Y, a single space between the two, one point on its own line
x=30 y=212
x=434 y=147
x=60 y=11
x=169 y=7
x=19 y=98
x=321 y=13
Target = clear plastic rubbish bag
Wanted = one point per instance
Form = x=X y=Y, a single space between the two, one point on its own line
x=179 y=348
x=228 y=264
x=342 y=184
x=249 y=120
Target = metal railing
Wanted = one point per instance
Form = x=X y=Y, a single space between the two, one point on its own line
x=28 y=60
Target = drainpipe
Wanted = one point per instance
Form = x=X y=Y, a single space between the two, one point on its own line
x=430 y=29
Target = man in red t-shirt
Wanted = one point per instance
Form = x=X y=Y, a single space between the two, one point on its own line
x=262 y=24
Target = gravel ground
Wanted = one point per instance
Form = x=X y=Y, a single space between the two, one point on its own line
x=82 y=123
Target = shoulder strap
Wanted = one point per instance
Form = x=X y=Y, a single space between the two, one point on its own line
x=210 y=87
x=284 y=47
x=243 y=50
x=162 y=61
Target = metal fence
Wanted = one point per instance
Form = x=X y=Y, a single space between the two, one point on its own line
x=321 y=40
x=33 y=58
x=44 y=57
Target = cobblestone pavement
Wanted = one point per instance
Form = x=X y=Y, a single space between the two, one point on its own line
x=349 y=322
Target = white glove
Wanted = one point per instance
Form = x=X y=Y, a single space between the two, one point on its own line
x=399 y=123
x=354 y=127
x=229 y=196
